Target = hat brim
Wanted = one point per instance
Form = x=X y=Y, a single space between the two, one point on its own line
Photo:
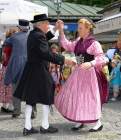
x=34 y=21
x=22 y=27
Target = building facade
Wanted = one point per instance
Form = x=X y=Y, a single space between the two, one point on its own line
x=108 y=28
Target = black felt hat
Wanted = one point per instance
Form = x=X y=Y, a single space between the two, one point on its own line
x=23 y=22
x=41 y=17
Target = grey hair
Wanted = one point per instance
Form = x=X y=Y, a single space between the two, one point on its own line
x=36 y=24
x=24 y=28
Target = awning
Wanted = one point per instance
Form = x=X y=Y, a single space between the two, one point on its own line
x=110 y=23
x=12 y=10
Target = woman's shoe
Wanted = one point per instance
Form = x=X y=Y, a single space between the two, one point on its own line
x=96 y=130
x=77 y=128
x=6 y=110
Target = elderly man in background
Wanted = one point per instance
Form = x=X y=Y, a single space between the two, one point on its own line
x=18 y=58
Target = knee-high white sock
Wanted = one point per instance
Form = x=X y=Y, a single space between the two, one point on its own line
x=28 y=112
x=45 y=122
x=98 y=124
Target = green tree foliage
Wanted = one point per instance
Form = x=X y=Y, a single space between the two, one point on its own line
x=99 y=3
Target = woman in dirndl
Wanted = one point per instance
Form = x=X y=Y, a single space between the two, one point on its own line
x=81 y=97
x=6 y=91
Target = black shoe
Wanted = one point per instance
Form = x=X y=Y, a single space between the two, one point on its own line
x=77 y=128
x=4 y=110
x=14 y=116
x=29 y=132
x=49 y=130
x=96 y=130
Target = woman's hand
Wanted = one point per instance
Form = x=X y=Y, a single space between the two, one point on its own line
x=60 y=25
x=86 y=65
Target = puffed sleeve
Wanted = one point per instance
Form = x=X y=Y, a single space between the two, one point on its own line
x=68 y=45
x=45 y=53
x=99 y=57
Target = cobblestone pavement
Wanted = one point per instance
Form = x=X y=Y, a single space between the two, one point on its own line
x=11 y=129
